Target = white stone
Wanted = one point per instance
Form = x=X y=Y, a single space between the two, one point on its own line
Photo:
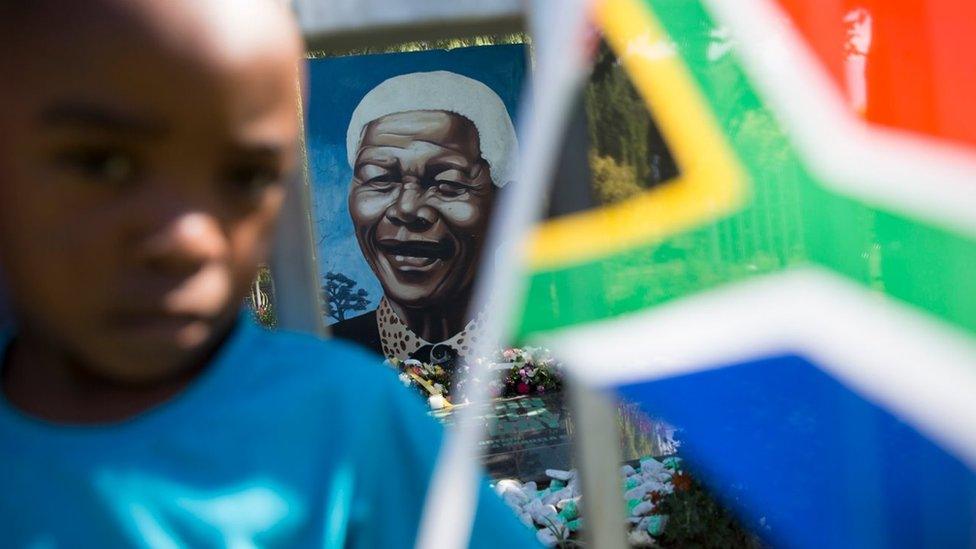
x=558 y=495
x=644 y=488
x=574 y=485
x=564 y=476
x=651 y=466
x=640 y=538
x=543 y=515
x=642 y=508
x=546 y=537
x=547 y=516
x=563 y=502
x=661 y=475
x=506 y=484
x=636 y=492
x=515 y=499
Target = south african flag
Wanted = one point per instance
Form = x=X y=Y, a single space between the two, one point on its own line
x=799 y=296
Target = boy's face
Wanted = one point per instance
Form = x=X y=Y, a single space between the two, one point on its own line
x=145 y=145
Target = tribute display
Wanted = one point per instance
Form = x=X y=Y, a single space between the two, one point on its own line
x=408 y=153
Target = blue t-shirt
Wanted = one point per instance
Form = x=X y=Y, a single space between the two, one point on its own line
x=284 y=440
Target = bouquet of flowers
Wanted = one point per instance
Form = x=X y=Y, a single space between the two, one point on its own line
x=529 y=371
x=431 y=380
x=515 y=372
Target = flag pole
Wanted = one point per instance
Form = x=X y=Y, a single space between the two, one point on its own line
x=558 y=31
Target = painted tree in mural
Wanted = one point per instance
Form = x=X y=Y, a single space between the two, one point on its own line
x=341 y=296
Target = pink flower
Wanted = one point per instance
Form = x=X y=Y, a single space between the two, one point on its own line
x=541 y=388
x=509 y=354
x=522 y=388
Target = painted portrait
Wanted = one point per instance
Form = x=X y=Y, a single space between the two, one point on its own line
x=408 y=154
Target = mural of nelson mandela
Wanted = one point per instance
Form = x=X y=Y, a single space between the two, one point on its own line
x=429 y=153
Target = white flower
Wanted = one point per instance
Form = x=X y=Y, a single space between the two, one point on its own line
x=405 y=379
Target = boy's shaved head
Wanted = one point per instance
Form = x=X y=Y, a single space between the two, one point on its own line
x=220 y=32
x=145 y=145
x=232 y=27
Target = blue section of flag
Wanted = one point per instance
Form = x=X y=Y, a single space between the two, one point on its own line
x=780 y=439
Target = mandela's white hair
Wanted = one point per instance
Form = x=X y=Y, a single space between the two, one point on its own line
x=443 y=91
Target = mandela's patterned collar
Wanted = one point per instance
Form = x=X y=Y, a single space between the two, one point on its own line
x=399 y=341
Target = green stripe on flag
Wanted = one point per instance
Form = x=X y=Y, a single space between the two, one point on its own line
x=789 y=219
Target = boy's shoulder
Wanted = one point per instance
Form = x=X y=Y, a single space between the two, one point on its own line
x=288 y=375
x=288 y=346
x=303 y=362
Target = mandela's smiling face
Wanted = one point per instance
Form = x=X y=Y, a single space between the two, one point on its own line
x=420 y=200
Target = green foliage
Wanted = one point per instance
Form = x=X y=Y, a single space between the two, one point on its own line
x=696 y=520
x=620 y=128
x=612 y=182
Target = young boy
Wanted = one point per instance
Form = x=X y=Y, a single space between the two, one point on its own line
x=143 y=152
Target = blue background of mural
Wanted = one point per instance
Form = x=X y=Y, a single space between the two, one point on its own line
x=336 y=85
